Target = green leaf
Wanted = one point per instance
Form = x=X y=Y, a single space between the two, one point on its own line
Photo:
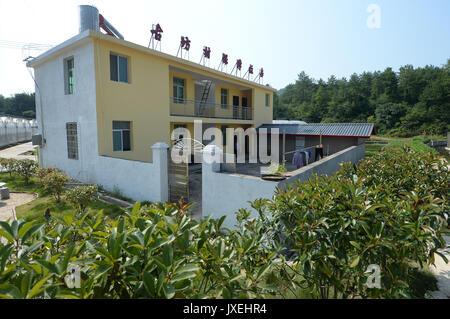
x=182 y=276
x=10 y=291
x=262 y=271
x=37 y=288
x=187 y=268
x=149 y=283
x=102 y=268
x=354 y=261
x=30 y=232
x=161 y=241
x=8 y=229
x=46 y=264
x=169 y=291
x=355 y=244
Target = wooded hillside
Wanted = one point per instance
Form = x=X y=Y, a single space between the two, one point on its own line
x=411 y=101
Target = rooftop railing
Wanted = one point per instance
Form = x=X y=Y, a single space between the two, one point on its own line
x=195 y=108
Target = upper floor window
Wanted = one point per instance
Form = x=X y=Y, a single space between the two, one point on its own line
x=121 y=136
x=118 y=68
x=223 y=98
x=178 y=90
x=267 y=99
x=68 y=75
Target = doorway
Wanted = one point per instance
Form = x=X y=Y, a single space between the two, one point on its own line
x=235 y=106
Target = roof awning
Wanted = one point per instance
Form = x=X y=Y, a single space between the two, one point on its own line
x=363 y=130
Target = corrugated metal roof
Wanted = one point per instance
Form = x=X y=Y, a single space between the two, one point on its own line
x=326 y=129
x=287 y=122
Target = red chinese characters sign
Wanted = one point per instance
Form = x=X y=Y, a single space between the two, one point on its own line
x=157 y=32
x=224 y=58
x=185 y=43
x=207 y=52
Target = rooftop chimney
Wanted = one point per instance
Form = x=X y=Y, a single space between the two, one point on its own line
x=90 y=19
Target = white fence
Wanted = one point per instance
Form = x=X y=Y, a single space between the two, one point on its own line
x=15 y=130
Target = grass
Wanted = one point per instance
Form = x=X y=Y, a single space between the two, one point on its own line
x=417 y=143
x=36 y=208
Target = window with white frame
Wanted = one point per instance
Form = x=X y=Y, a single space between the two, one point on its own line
x=267 y=100
x=68 y=75
x=118 y=68
x=178 y=91
x=121 y=136
x=72 y=140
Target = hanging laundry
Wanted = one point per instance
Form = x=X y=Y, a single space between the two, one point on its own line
x=319 y=152
x=304 y=158
x=298 y=159
x=308 y=156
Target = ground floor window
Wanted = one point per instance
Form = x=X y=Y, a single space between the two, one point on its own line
x=72 y=140
x=121 y=136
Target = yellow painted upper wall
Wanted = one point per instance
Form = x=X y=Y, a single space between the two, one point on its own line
x=144 y=101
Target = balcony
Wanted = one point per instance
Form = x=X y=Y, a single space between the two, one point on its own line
x=194 y=108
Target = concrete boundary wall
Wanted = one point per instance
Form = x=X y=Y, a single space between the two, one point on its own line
x=225 y=193
x=139 y=181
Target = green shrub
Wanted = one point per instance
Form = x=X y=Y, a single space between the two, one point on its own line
x=25 y=168
x=389 y=211
x=41 y=172
x=318 y=236
x=81 y=196
x=151 y=252
x=54 y=182
x=8 y=164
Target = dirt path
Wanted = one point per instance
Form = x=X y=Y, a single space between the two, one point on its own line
x=442 y=274
x=18 y=151
x=16 y=199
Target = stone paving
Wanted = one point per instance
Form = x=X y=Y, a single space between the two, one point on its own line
x=16 y=199
x=17 y=151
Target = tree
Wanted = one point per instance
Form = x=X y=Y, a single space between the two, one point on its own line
x=21 y=104
x=412 y=100
x=54 y=182
x=25 y=167
x=81 y=196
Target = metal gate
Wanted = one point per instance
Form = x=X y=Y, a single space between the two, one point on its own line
x=178 y=179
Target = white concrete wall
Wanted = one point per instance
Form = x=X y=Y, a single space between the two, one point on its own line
x=224 y=193
x=136 y=180
x=328 y=165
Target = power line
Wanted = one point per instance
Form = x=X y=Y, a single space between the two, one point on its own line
x=24 y=45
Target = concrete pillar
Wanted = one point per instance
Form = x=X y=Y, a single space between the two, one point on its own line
x=160 y=160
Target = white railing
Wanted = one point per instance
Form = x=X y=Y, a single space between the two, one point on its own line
x=195 y=108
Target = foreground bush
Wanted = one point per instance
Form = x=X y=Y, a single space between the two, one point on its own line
x=320 y=237
x=390 y=211
x=151 y=252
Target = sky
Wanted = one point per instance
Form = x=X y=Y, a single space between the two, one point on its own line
x=285 y=37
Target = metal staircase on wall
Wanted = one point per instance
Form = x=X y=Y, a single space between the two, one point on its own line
x=205 y=96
